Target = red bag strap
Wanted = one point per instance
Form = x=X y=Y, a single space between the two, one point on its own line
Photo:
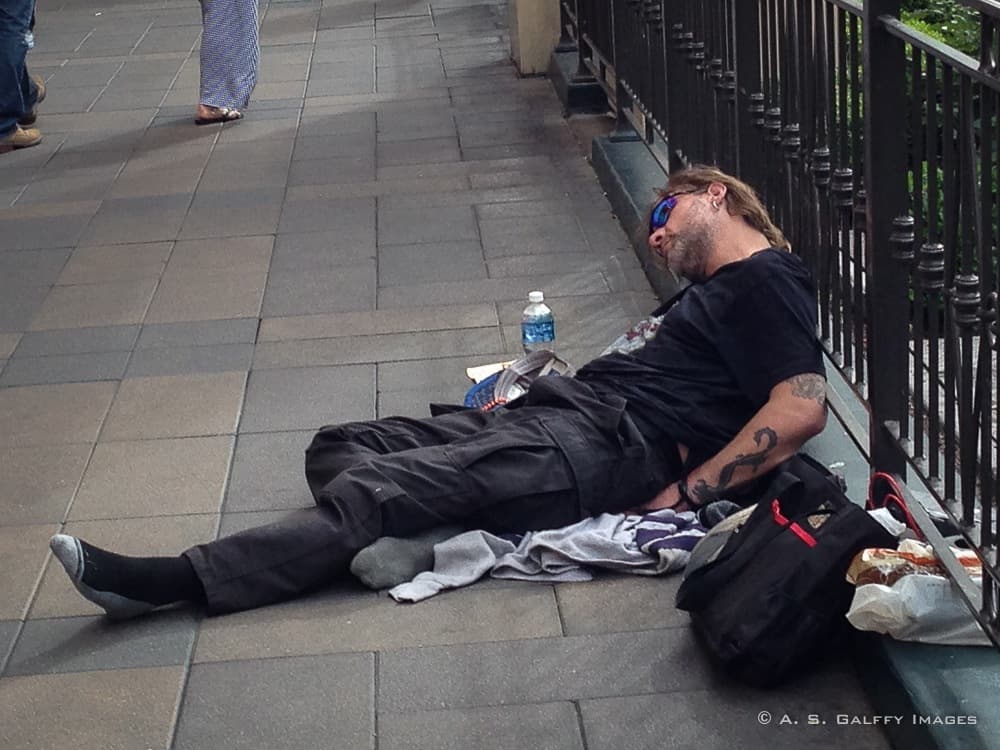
x=792 y=526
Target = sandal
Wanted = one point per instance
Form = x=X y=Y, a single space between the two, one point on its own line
x=222 y=114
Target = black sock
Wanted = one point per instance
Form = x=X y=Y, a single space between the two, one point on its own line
x=157 y=580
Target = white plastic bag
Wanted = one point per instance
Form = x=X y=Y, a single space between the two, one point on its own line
x=916 y=602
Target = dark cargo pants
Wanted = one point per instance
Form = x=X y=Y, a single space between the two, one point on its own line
x=512 y=470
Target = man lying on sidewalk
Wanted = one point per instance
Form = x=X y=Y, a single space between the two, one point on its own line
x=731 y=385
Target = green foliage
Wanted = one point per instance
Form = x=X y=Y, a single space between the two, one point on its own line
x=946 y=21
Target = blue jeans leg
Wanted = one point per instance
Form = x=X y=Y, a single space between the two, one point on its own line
x=17 y=92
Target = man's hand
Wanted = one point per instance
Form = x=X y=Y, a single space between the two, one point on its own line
x=668 y=497
x=795 y=411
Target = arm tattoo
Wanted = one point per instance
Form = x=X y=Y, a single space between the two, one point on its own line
x=703 y=492
x=810 y=386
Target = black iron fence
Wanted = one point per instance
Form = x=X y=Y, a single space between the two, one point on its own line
x=877 y=149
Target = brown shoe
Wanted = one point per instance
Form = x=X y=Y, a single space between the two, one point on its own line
x=20 y=138
x=32 y=116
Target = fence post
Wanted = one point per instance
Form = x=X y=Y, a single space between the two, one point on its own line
x=746 y=32
x=889 y=235
x=625 y=66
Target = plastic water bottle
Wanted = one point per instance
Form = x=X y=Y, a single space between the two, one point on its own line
x=538 y=327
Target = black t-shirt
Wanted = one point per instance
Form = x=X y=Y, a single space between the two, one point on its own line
x=718 y=353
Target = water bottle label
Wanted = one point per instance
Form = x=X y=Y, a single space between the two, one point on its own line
x=538 y=332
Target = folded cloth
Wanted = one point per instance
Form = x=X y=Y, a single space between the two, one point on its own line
x=652 y=544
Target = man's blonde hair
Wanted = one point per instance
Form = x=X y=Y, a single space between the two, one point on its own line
x=741 y=199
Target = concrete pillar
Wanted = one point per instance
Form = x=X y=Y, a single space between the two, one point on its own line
x=534 y=34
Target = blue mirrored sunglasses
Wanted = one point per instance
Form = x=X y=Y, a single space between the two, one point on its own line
x=661 y=213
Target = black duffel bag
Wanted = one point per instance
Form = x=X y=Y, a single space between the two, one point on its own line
x=764 y=601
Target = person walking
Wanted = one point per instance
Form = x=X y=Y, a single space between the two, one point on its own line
x=230 y=55
x=731 y=385
x=19 y=93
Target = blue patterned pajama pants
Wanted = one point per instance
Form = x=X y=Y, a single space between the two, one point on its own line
x=230 y=52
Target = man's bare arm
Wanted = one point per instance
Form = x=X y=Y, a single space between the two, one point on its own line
x=794 y=412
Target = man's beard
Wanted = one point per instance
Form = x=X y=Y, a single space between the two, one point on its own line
x=689 y=252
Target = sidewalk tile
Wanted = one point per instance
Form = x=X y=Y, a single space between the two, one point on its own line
x=429 y=150
x=23 y=551
x=306 y=398
x=18 y=306
x=505 y=151
x=348 y=215
x=119 y=708
x=343 y=16
x=175 y=406
x=619 y=603
x=190 y=360
x=41 y=232
x=141 y=179
x=84 y=644
x=96 y=263
x=539 y=670
x=289 y=703
x=330 y=38
x=349 y=81
x=371 y=322
x=220 y=177
x=64 y=368
x=167 y=535
x=532 y=235
x=415 y=403
x=231 y=154
x=185 y=298
x=53 y=414
x=247 y=130
x=248 y=254
x=352 y=144
x=459 y=292
x=68 y=187
x=409 y=77
x=92 y=305
x=322 y=250
x=71 y=98
x=442 y=261
x=38 y=482
x=144 y=219
x=692 y=718
x=146 y=478
x=199 y=333
x=379 y=348
x=387 y=55
x=341 y=289
x=233 y=213
x=116 y=98
x=332 y=171
x=8 y=343
x=338 y=621
x=403 y=225
x=554 y=726
x=316 y=122
x=8 y=631
x=268 y=472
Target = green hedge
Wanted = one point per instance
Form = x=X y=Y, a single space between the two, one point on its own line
x=946 y=21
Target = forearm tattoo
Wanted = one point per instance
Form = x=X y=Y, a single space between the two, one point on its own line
x=703 y=492
x=810 y=386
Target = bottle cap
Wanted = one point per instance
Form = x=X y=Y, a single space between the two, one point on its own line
x=536 y=297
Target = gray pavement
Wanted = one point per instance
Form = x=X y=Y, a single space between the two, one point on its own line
x=180 y=307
